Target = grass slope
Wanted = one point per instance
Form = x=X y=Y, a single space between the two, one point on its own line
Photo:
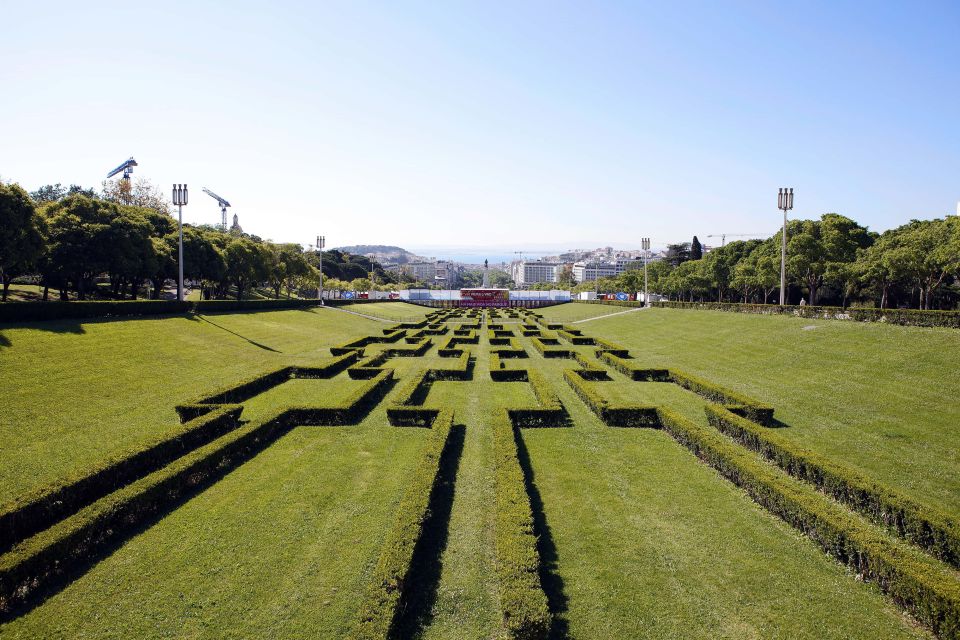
x=397 y=311
x=279 y=548
x=878 y=397
x=75 y=392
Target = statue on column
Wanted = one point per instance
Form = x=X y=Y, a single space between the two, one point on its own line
x=486 y=274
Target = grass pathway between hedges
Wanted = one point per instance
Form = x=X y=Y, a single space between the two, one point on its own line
x=76 y=392
x=641 y=539
x=876 y=397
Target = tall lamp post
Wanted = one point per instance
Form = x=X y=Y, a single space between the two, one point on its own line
x=180 y=196
x=645 y=244
x=784 y=203
x=321 y=243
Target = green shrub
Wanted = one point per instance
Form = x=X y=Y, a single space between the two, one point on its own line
x=635 y=373
x=606 y=346
x=328 y=369
x=43 y=507
x=248 y=388
x=926 y=527
x=389 y=586
x=550 y=411
x=78 y=539
x=906 y=317
x=544 y=348
x=614 y=416
x=523 y=602
x=925 y=587
x=750 y=408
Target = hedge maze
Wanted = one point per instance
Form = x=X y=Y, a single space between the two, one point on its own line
x=911 y=551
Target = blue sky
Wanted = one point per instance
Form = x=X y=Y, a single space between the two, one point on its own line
x=526 y=125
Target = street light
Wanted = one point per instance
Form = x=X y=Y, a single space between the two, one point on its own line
x=784 y=203
x=321 y=243
x=645 y=245
x=180 y=199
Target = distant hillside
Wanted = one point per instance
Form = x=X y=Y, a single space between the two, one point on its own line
x=382 y=253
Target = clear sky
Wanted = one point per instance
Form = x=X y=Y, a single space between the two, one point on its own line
x=509 y=124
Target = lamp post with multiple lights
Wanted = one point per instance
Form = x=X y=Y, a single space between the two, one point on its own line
x=784 y=203
x=180 y=197
x=645 y=245
x=321 y=243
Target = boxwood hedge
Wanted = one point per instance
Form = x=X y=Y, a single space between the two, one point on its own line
x=924 y=526
x=924 y=586
x=389 y=587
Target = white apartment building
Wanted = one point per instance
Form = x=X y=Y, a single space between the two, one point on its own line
x=584 y=271
x=527 y=273
x=447 y=274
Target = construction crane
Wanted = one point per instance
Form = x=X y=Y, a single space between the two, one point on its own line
x=126 y=167
x=223 y=206
x=723 y=236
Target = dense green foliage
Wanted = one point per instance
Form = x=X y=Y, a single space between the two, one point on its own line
x=832 y=260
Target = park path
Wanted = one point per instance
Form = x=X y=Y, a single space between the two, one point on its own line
x=609 y=315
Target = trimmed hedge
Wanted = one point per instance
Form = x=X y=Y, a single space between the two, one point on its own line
x=904 y=317
x=350 y=410
x=328 y=369
x=606 y=346
x=388 y=587
x=77 y=540
x=248 y=388
x=616 y=415
x=746 y=405
x=42 y=508
x=523 y=602
x=926 y=527
x=925 y=587
x=79 y=309
x=635 y=373
x=500 y=373
x=544 y=347
x=550 y=411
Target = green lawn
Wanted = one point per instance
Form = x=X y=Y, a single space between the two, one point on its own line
x=573 y=312
x=878 y=397
x=397 y=311
x=280 y=548
x=640 y=538
x=78 y=391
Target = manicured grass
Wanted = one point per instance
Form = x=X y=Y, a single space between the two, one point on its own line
x=640 y=539
x=398 y=311
x=76 y=392
x=878 y=397
x=572 y=312
x=279 y=548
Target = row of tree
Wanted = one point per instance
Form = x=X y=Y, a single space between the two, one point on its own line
x=123 y=242
x=833 y=260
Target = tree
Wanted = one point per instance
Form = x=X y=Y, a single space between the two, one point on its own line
x=696 y=249
x=566 y=280
x=21 y=234
x=246 y=264
x=140 y=193
x=677 y=254
x=54 y=192
x=500 y=279
x=78 y=246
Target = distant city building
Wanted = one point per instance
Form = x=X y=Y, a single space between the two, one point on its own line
x=421 y=271
x=585 y=271
x=447 y=274
x=527 y=273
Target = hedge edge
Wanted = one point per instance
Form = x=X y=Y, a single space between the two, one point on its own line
x=388 y=587
x=923 y=526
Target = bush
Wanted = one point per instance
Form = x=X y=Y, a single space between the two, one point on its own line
x=388 y=586
x=906 y=317
x=746 y=405
x=42 y=508
x=635 y=373
x=925 y=587
x=543 y=346
x=614 y=416
x=526 y=614
x=79 y=538
x=926 y=527
x=350 y=410
x=550 y=411
x=248 y=388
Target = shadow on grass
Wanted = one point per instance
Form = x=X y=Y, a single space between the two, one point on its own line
x=549 y=559
x=426 y=567
x=200 y=318
x=5 y=341
x=55 y=582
